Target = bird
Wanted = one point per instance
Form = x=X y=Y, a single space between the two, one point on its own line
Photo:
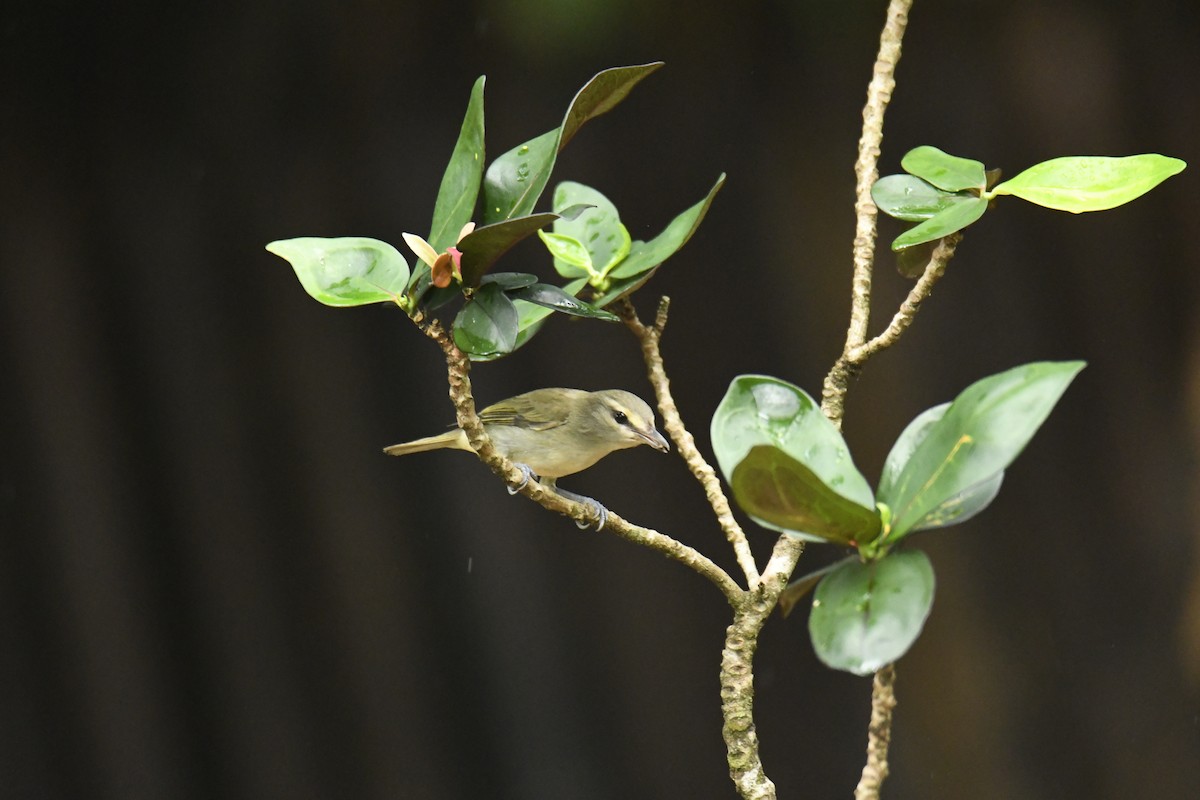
x=552 y=433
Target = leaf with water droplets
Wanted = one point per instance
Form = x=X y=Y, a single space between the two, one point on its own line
x=865 y=616
x=514 y=181
x=788 y=466
x=911 y=199
x=345 y=271
x=459 y=189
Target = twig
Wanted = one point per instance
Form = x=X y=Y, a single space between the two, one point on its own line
x=883 y=700
x=853 y=356
x=866 y=171
x=857 y=349
x=458 y=373
x=649 y=336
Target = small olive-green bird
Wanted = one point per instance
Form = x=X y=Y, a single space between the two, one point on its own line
x=552 y=433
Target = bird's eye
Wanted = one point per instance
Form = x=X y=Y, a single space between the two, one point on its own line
x=620 y=417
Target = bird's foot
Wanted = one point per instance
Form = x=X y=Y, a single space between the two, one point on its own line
x=598 y=510
x=529 y=475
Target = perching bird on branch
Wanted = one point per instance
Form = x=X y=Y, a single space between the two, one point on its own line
x=552 y=433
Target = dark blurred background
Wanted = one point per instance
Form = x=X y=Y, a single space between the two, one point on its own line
x=214 y=585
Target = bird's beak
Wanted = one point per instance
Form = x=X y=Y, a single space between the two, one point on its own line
x=655 y=440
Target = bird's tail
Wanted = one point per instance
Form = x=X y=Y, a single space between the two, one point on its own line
x=453 y=440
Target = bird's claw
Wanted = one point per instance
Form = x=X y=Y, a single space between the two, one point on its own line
x=528 y=475
x=599 y=511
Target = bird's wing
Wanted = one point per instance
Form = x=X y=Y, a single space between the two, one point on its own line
x=523 y=411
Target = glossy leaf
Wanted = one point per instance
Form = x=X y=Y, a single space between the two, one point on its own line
x=1090 y=183
x=482 y=247
x=911 y=199
x=530 y=318
x=509 y=280
x=487 y=324
x=952 y=173
x=947 y=222
x=798 y=589
x=455 y=204
x=794 y=456
x=956 y=508
x=866 y=616
x=775 y=488
x=598 y=231
x=978 y=436
x=912 y=261
x=345 y=271
x=648 y=255
x=554 y=298
x=514 y=181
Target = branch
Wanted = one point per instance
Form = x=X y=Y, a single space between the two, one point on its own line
x=850 y=362
x=649 y=336
x=866 y=171
x=857 y=349
x=458 y=376
x=883 y=700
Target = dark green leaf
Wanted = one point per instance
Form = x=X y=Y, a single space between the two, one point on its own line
x=483 y=247
x=459 y=190
x=865 y=616
x=1090 y=183
x=947 y=222
x=911 y=199
x=912 y=261
x=487 y=324
x=345 y=271
x=509 y=280
x=601 y=94
x=798 y=589
x=514 y=181
x=761 y=411
x=644 y=256
x=775 y=488
x=943 y=170
x=531 y=317
x=552 y=297
x=978 y=436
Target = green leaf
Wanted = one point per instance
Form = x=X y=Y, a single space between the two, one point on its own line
x=794 y=457
x=956 y=508
x=1090 y=183
x=943 y=170
x=978 y=436
x=598 y=231
x=911 y=199
x=911 y=262
x=531 y=317
x=487 y=324
x=865 y=616
x=460 y=183
x=621 y=287
x=644 y=256
x=775 y=488
x=514 y=181
x=571 y=258
x=346 y=271
x=552 y=297
x=482 y=247
x=798 y=589
x=509 y=280
x=947 y=222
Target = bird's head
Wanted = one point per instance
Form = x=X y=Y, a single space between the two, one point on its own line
x=624 y=420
